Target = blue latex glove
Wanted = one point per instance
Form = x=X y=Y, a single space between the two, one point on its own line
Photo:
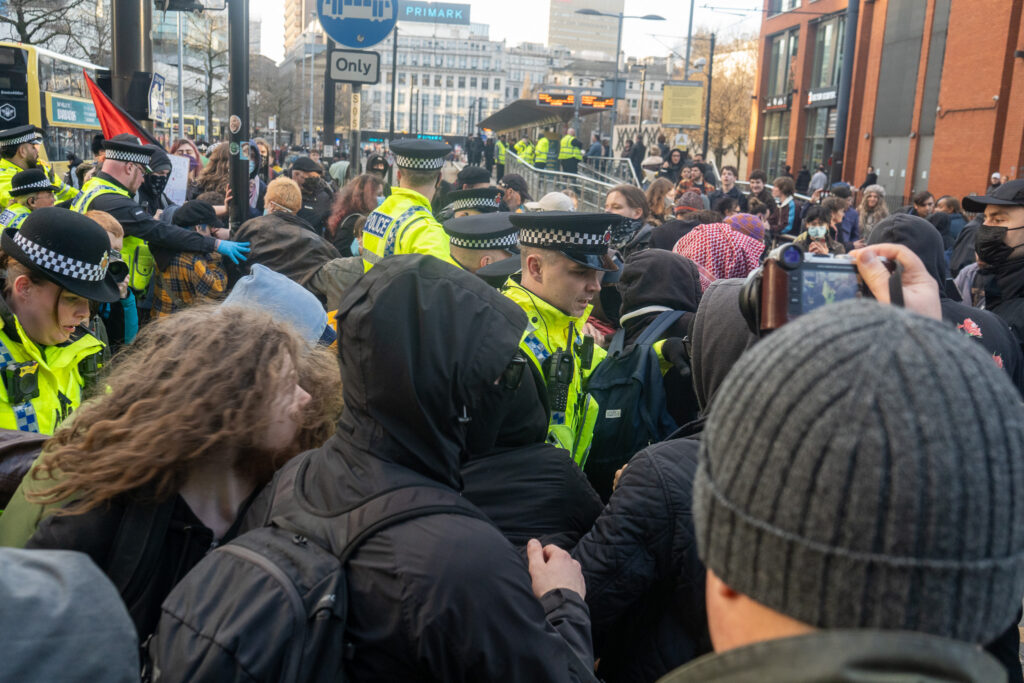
x=235 y=251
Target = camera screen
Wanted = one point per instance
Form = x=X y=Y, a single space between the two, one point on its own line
x=823 y=286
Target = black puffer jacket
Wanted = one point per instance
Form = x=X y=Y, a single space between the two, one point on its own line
x=645 y=582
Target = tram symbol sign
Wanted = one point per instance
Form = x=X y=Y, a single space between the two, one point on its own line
x=7 y=112
x=357 y=24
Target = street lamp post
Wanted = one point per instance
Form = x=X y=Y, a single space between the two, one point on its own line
x=618 y=49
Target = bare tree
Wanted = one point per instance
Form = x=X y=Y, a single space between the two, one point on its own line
x=731 y=87
x=41 y=22
x=207 y=36
x=91 y=39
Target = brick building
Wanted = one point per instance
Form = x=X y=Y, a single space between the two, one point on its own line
x=936 y=100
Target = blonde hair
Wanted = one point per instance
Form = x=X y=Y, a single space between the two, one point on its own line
x=284 y=192
x=107 y=222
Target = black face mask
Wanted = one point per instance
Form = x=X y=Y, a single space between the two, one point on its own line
x=311 y=184
x=989 y=244
x=156 y=183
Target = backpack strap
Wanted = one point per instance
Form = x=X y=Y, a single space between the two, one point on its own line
x=654 y=331
x=618 y=342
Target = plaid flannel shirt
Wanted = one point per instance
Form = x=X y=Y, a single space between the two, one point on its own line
x=190 y=278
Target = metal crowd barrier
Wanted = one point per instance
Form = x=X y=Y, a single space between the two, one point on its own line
x=610 y=169
x=591 y=192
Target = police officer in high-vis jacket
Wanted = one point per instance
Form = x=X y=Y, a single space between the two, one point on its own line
x=30 y=190
x=570 y=152
x=19 y=151
x=55 y=264
x=403 y=224
x=147 y=241
x=564 y=256
x=499 y=158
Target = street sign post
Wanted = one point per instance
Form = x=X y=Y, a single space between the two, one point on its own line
x=156 y=99
x=358 y=25
x=354 y=66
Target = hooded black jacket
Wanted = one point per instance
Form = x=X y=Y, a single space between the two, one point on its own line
x=442 y=597
x=645 y=582
x=286 y=244
x=986 y=327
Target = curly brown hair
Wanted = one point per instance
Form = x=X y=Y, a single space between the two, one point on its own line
x=358 y=196
x=216 y=175
x=159 y=412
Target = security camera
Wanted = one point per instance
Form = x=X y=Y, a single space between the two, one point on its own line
x=699 y=63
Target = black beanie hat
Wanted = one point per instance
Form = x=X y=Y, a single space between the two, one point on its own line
x=883 y=494
x=194 y=213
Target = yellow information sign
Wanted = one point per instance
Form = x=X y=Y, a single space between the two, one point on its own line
x=682 y=104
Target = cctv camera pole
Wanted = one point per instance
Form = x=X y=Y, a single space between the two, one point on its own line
x=707 y=104
x=238 y=108
x=843 y=96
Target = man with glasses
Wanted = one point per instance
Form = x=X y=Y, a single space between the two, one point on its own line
x=19 y=151
x=148 y=242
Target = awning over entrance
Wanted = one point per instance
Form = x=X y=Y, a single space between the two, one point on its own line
x=527 y=113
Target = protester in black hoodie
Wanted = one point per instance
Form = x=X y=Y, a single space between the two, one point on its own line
x=645 y=582
x=986 y=327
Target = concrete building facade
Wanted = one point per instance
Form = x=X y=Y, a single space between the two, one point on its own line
x=936 y=93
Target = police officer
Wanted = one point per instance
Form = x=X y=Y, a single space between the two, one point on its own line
x=540 y=151
x=564 y=256
x=570 y=152
x=56 y=264
x=499 y=158
x=403 y=224
x=146 y=240
x=483 y=239
x=524 y=149
x=470 y=203
x=30 y=190
x=19 y=151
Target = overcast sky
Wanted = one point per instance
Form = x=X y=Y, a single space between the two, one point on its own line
x=527 y=21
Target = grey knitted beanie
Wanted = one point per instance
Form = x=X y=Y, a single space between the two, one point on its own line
x=876 y=482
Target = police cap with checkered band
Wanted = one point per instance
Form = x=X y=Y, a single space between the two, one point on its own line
x=129 y=152
x=581 y=237
x=31 y=181
x=481 y=200
x=13 y=137
x=483 y=231
x=67 y=248
x=419 y=155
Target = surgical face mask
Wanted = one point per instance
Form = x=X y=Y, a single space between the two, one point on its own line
x=252 y=167
x=354 y=248
x=817 y=232
x=990 y=244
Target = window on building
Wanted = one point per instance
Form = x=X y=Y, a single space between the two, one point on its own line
x=449 y=81
x=782 y=63
x=437 y=123
x=414 y=59
x=485 y=83
x=447 y=100
x=437 y=100
x=438 y=61
x=776 y=138
x=388 y=79
x=779 y=6
x=401 y=59
x=376 y=96
x=415 y=79
x=401 y=98
x=400 y=121
x=828 y=52
x=449 y=61
x=448 y=123
x=515 y=93
x=497 y=84
x=472 y=81
x=474 y=62
x=821 y=131
x=462 y=82
x=462 y=101
x=495 y=104
x=462 y=61
x=401 y=78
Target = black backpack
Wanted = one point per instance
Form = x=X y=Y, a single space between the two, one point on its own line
x=630 y=395
x=224 y=621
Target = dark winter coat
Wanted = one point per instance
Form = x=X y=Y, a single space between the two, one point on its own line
x=285 y=243
x=963 y=248
x=645 y=581
x=846 y=656
x=316 y=206
x=733 y=192
x=984 y=326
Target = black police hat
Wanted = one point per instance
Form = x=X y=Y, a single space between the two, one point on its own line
x=581 y=237
x=31 y=181
x=1008 y=194
x=128 y=149
x=419 y=155
x=482 y=199
x=20 y=134
x=483 y=231
x=69 y=249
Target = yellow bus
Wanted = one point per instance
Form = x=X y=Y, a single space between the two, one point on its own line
x=46 y=89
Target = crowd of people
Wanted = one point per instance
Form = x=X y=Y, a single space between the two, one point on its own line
x=396 y=427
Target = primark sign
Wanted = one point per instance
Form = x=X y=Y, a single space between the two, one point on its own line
x=433 y=12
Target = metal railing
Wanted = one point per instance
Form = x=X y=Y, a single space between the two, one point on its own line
x=610 y=169
x=591 y=192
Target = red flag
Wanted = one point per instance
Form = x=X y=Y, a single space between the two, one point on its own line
x=113 y=119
